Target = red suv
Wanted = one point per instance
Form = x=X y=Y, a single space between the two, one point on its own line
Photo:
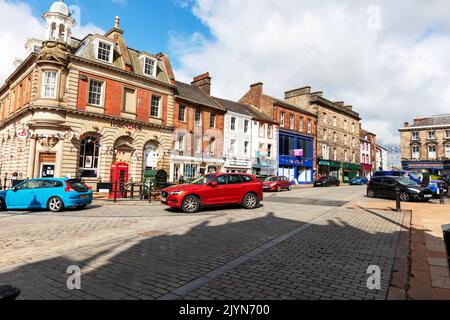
x=215 y=189
x=276 y=184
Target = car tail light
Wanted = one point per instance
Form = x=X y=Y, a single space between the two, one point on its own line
x=87 y=187
x=68 y=187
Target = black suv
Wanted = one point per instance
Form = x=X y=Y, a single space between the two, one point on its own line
x=385 y=187
x=327 y=182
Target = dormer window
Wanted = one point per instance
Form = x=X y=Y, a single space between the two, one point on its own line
x=149 y=67
x=104 y=51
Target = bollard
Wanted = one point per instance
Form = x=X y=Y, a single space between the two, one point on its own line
x=398 y=200
x=8 y=293
x=441 y=195
x=446 y=230
x=115 y=192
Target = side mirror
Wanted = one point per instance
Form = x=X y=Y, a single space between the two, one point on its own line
x=214 y=184
x=15 y=189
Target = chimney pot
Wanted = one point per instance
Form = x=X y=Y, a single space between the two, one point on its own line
x=117 y=22
x=406 y=124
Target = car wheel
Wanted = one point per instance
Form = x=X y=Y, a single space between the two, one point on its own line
x=55 y=204
x=371 y=194
x=250 y=201
x=289 y=188
x=2 y=205
x=191 y=204
x=404 y=197
x=279 y=189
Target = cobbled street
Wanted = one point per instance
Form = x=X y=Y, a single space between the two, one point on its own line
x=304 y=244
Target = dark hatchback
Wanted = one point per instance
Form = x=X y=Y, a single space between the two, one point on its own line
x=386 y=187
x=331 y=181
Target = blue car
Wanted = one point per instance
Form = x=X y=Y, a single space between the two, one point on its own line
x=359 y=181
x=47 y=193
x=433 y=186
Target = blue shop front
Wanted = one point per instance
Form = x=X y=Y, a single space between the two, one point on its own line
x=296 y=157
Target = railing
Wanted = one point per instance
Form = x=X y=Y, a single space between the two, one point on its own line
x=142 y=191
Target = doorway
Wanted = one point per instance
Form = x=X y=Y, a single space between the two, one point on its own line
x=47 y=165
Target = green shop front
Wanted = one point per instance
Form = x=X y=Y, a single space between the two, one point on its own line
x=350 y=171
x=329 y=168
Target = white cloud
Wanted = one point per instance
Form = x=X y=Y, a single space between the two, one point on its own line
x=17 y=24
x=388 y=59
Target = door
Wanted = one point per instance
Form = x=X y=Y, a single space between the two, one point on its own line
x=236 y=189
x=218 y=194
x=25 y=196
x=388 y=187
x=47 y=164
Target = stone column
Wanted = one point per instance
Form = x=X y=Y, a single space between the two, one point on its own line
x=31 y=158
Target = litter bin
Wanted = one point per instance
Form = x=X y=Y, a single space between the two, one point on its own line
x=446 y=229
x=8 y=293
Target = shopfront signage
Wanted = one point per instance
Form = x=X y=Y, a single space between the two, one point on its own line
x=298 y=152
x=126 y=125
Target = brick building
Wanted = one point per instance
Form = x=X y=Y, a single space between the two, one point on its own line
x=296 y=134
x=73 y=107
x=425 y=144
x=199 y=125
x=338 y=141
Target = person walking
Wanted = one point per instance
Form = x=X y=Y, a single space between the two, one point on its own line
x=426 y=179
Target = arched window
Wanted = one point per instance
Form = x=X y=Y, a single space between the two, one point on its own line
x=89 y=152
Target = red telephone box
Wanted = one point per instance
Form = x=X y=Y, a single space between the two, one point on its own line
x=119 y=176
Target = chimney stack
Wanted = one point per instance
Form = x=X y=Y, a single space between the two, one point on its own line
x=257 y=88
x=406 y=124
x=203 y=82
x=117 y=23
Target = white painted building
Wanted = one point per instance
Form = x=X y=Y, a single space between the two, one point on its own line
x=382 y=158
x=264 y=147
x=237 y=137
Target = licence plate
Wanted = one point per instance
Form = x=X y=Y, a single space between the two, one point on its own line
x=164 y=200
x=84 y=196
x=428 y=196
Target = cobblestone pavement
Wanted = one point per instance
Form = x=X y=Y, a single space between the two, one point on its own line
x=148 y=252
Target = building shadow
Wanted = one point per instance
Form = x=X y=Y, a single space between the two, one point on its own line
x=324 y=261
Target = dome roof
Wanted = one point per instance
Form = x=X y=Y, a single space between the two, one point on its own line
x=60 y=7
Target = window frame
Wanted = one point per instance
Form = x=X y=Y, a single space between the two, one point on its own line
x=199 y=123
x=282 y=119
x=233 y=122
x=95 y=156
x=430 y=152
x=144 y=65
x=97 y=48
x=212 y=120
x=159 y=116
x=102 y=93
x=124 y=110
x=44 y=85
x=246 y=126
x=180 y=108
x=413 y=153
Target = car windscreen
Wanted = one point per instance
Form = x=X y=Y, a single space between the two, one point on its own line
x=323 y=179
x=204 y=179
x=78 y=185
x=406 y=182
x=273 y=179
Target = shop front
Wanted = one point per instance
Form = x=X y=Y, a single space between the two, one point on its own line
x=296 y=157
x=350 y=171
x=366 y=170
x=237 y=166
x=329 y=168
x=264 y=166
x=187 y=168
x=434 y=167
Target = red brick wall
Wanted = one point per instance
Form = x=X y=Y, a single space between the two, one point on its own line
x=114 y=98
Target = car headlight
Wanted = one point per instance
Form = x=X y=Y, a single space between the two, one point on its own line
x=414 y=190
x=176 y=193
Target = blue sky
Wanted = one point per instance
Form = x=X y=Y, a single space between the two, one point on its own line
x=148 y=24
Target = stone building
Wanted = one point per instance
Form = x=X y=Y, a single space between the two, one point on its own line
x=199 y=130
x=296 y=134
x=73 y=107
x=368 y=152
x=425 y=144
x=338 y=141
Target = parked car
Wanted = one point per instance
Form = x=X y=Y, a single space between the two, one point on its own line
x=215 y=189
x=386 y=187
x=359 y=181
x=433 y=186
x=49 y=193
x=276 y=184
x=331 y=181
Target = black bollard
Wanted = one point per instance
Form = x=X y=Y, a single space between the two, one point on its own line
x=441 y=195
x=8 y=293
x=446 y=230
x=398 y=200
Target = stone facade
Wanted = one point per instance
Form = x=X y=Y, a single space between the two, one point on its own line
x=66 y=112
x=425 y=144
x=338 y=137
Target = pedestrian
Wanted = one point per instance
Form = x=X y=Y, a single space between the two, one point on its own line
x=181 y=180
x=426 y=179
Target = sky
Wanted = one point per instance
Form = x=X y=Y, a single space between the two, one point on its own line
x=388 y=59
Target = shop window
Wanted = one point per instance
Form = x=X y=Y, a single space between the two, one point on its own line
x=89 y=154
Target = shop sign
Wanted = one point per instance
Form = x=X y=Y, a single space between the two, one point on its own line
x=298 y=152
x=126 y=125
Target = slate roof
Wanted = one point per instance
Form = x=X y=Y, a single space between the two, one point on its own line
x=440 y=120
x=332 y=105
x=290 y=106
x=243 y=109
x=193 y=94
